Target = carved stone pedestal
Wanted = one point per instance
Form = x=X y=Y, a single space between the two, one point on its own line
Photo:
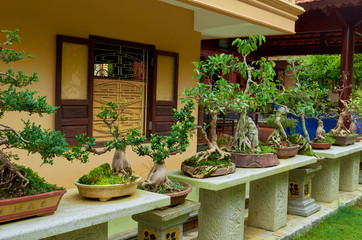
x=221 y=215
x=268 y=199
x=164 y=224
x=300 y=201
x=349 y=173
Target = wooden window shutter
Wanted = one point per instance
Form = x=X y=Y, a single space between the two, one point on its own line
x=164 y=91
x=74 y=115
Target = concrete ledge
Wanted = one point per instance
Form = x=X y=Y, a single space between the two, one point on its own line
x=339 y=151
x=75 y=213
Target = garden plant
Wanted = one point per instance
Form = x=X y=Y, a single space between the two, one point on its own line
x=17 y=181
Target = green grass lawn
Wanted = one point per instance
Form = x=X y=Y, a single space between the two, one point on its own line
x=345 y=224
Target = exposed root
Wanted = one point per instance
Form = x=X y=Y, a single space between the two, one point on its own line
x=203 y=155
x=8 y=172
x=157 y=177
x=320 y=133
x=120 y=164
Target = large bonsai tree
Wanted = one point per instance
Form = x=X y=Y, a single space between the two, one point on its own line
x=14 y=97
x=162 y=147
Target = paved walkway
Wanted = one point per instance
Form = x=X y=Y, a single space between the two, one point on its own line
x=295 y=224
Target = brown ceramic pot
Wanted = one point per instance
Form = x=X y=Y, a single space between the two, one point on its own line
x=320 y=145
x=42 y=204
x=287 y=152
x=344 y=140
x=179 y=197
x=254 y=160
x=264 y=133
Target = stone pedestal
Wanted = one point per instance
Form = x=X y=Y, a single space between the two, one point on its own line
x=349 y=173
x=268 y=201
x=360 y=168
x=221 y=215
x=164 y=224
x=300 y=201
x=326 y=181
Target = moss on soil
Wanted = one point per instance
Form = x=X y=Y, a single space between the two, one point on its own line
x=210 y=161
x=327 y=139
x=36 y=185
x=172 y=187
x=103 y=175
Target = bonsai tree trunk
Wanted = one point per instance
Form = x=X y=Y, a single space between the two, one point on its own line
x=340 y=129
x=306 y=134
x=246 y=136
x=211 y=144
x=353 y=126
x=279 y=135
x=8 y=172
x=156 y=177
x=320 y=133
x=120 y=164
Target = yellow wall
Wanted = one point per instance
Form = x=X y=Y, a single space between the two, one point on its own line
x=167 y=27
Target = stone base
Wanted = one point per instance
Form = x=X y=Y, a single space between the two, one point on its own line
x=303 y=208
x=96 y=232
x=360 y=177
x=164 y=224
x=349 y=172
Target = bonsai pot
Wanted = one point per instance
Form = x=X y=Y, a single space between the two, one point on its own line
x=106 y=192
x=320 y=145
x=42 y=204
x=264 y=133
x=358 y=138
x=344 y=140
x=287 y=152
x=178 y=197
x=254 y=160
x=197 y=172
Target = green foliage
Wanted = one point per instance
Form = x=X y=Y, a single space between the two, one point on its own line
x=171 y=187
x=36 y=185
x=103 y=175
x=266 y=149
x=212 y=160
x=290 y=123
x=346 y=223
x=327 y=139
x=162 y=147
x=13 y=97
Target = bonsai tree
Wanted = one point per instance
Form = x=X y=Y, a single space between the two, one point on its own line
x=113 y=117
x=355 y=106
x=15 y=97
x=259 y=90
x=162 y=147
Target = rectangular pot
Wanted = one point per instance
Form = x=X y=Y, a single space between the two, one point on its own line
x=35 y=205
x=344 y=140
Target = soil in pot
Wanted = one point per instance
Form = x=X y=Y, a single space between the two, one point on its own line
x=101 y=183
x=37 y=198
x=287 y=152
x=210 y=167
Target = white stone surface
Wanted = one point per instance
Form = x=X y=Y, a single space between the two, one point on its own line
x=75 y=212
x=242 y=175
x=339 y=151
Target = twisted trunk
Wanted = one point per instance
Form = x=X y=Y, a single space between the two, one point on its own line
x=120 y=164
x=156 y=177
x=306 y=134
x=8 y=172
x=320 y=133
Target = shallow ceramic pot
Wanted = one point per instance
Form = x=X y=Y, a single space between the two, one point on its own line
x=195 y=172
x=320 y=145
x=42 y=204
x=178 y=197
x=287 y=152
x=106 y=192
x=358 y=139
x=264 y=133
x=254 y=160
x=344 y=140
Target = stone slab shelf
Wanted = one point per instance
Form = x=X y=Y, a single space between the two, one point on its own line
x=340 y=171
x=223 y=199
x=78 y=217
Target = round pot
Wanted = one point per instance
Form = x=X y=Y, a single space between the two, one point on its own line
x=287 y=152
x=106 y=192
x=178 y=197
x=358 y=139
x=254 y=160
x=197 y=172
x=320 y=145
x=264 y=133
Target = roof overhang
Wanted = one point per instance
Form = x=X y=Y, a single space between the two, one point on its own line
x=217 y=19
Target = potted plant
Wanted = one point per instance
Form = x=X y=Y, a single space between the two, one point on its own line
x=22 y=192
x=106 y=182
x=342 y=135
x=161 y=148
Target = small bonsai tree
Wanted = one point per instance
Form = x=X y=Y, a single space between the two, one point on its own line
x=162 y=147
x=14 y=97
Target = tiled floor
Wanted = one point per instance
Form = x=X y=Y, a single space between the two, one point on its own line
x=295 y=224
